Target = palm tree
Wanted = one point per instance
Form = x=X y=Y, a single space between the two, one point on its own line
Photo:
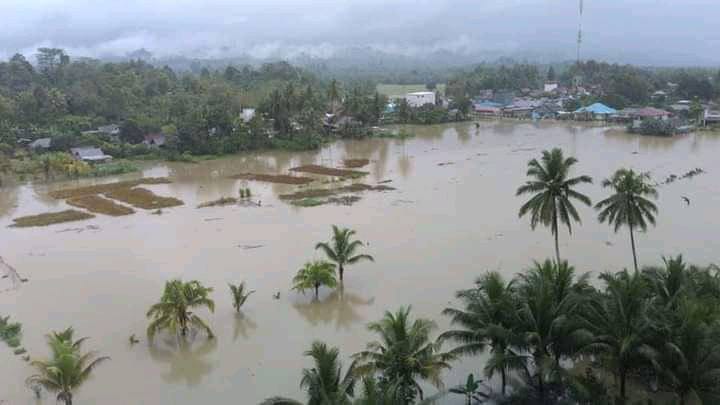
x=68 y=368
x=174 y=311
x=552 y=193
x=404 y=354
x=239 y=295
x=668 y=283
x=325 y=383
x=488 y=319
x=333 y=94
x=629 y=205
x=314 y=275
x=342 y=248
x=690 y=361
x=549 y=297
x=619 y=325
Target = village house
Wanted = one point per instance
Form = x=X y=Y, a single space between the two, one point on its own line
x=711 y=117
x=90 y=155
x=40 y=144
x=420 y=98
x=550 y=87
x=247 y=114
x=487 y=108
x=154 y=140
x=597 y=111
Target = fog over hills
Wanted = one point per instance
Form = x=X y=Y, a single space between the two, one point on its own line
x=420 y=32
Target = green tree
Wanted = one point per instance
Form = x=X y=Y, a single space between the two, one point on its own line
x=629 y=205
x=552 y=193
x=314 y=275
x=470 y=390
x=404 y=354
x=325 y=383
x=620 y=326
x=341 y=249
x=239 y=295
x=696 y=110
x=487 y=320
x=68 y=368
x=334 y=94
x=174 y=311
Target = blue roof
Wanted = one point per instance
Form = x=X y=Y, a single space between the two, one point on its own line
x=597 y=108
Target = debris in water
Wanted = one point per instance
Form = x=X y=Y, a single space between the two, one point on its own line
x=385 y=182
x=355 y=163
x=249 y=247
x=212 y=219
x=446 y=163
x=9 y=272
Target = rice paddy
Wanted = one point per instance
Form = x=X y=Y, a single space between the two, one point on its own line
x=219 y=202
x=274 y=178
x=51 y=218
x=100 y=205
x=105 y=188
x=328 y=171
x=143 y=198
x=329 y=192
x=355 y=163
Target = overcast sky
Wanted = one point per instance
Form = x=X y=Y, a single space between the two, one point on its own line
x=660 y=32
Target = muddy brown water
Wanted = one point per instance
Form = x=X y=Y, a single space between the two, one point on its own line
x=440 y=229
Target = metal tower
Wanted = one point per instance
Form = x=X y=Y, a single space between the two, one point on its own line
x=579 y=37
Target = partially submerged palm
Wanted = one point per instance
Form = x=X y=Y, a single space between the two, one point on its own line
x=240 y=294
x=630 y=205
x=404 y=354
x=67 y=369
x=325 y=382
x=174 y=311
x=341 y=249
x=314 y=275
x=552 y=193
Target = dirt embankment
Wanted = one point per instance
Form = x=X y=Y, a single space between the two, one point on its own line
x=328 y=171
x=273 y=178
x=51 y=218
x=100 y=205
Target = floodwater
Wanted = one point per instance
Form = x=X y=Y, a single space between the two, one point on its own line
x=443 y=227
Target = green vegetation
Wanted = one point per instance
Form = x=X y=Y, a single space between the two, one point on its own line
x=341 y=249
x=315 y=275
x=106 y=188
x=552 y=193
x=308 y=202
x=51 y=218
x=329 y=171
x=274 y=178
x=239 y=295
x=10 y=332
x=174 y=311
x=629 y=206
x=220 y=202
x=143 y=198
x=325 y=383
x=100 y=205
x=67 y=369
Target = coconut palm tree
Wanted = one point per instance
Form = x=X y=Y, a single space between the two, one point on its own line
x=325 y=383
x=629 y=206
x=341 y=249
x=314 y=275
x=619 y=325
x=68 y=368
x=689 y=364
x=549 y=296
x=552 y=193
x=668 y=284
x=239 y=295
x=174 y=311
x=404 y=354
x=488 y=320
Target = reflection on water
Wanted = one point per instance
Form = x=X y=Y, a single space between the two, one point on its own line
x=340 y=307
x=244 y=325
x=186 y=359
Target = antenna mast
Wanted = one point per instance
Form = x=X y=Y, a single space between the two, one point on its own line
x=579 y=37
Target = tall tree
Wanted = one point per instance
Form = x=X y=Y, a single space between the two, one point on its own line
x=404 y=354
x=629 y=205
x=174 y=311
x=334 y=94
x=314 y=275
x=552 y=193
x=487 y=320
x=68 y=368
x=325 y=383
x=341 y=249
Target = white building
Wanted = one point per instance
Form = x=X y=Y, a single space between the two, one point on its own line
x=420 y=98
x=550 y=87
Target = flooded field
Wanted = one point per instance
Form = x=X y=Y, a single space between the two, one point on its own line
x=451 y=216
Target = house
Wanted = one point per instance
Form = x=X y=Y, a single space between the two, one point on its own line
x=711 y=117
x=112 y=129
x=520 y=108
x=42 y=143
x=651 y=112
x=154 y=140
x=597 y=111
x=487 y=108
x=550 y=87
x=547 y=110
x=420 y=98
x=90 y=154
x=247 y=114
x=659 y=95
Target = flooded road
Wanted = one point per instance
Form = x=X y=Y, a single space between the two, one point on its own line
x=453 y=216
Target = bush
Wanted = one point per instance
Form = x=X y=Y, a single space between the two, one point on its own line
x=657 y=127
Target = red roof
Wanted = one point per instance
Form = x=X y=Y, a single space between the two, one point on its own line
x=651 y=112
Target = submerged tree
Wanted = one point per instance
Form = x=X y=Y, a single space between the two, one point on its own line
x=68 y=368
x=552 y=193
x=174 y=311
x=404 y=354
x=314 y=275
x=629 y=206
x=325 y=383
x=341 y=249
x=239 y=295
